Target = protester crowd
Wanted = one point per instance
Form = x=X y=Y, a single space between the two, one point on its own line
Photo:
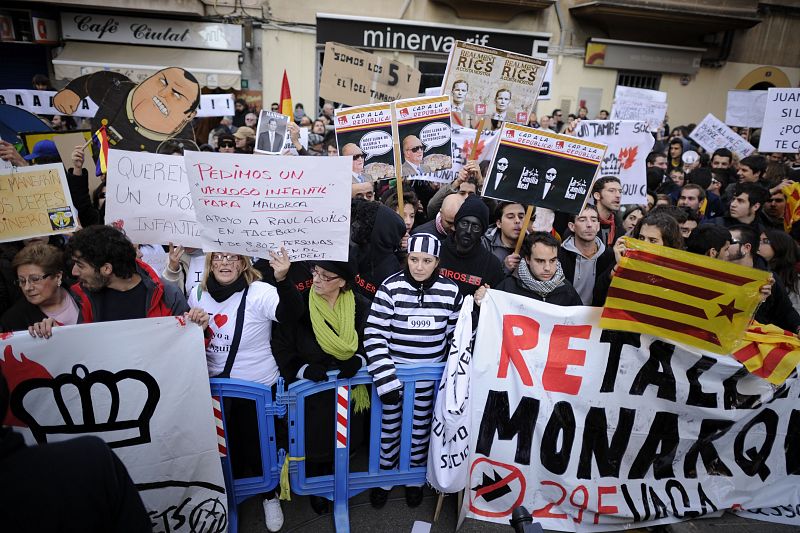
x=396 y=300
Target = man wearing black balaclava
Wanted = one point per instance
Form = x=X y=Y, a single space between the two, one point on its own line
x=463 y=258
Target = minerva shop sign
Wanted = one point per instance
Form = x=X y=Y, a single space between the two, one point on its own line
x=147 y=31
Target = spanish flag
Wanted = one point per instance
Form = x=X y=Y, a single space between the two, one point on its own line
x=286 y=97
x=682 y=297
x=101 y=140
x=770 y=353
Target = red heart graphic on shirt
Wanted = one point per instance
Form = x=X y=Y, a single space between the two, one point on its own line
x=220 y=320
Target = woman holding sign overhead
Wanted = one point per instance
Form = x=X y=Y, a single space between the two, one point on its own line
x=241 y=310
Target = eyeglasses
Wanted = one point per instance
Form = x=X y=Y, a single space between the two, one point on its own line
x=415 y=149
x=227 y=144
x=734 y=241
x=358 y=156
x=474 y=227
x=231 y=258
x=315 y=273
x=33 y=280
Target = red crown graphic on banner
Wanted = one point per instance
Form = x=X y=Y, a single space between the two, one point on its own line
x=341 y=120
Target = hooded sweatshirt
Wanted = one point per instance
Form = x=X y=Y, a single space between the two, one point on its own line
x=469 y=270
x=377 y=260
x=582 y=271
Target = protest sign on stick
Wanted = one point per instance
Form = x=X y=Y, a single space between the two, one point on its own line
x=640 y=105
x=781 y=131
x=354 y=77
x=142 y=387
x=423 y=134
x=746 y=108
x=272 y=132
x=712 y=133
x=148 y=196
x=544 y=169
x=628 y=143
x=251 y=204
x=369 y=128
x=593 y=436
x=35 y=202
x=491 y=83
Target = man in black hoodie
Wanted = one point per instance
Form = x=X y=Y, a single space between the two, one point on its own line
x=463 y=258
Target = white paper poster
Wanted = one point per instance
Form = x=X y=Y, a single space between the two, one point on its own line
x=252 y=204
x=645 y=105
x=142 y=387
x=592 y=432
x=628 y=143
x=147 y=195
x=712 y=133
x=781 y=131
x=746 y=108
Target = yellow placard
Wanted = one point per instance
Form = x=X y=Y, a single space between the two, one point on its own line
x=34 y=202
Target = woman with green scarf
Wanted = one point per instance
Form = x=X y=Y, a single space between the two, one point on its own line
x=329 y=336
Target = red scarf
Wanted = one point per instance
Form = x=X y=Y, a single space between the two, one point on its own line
x=613 y=225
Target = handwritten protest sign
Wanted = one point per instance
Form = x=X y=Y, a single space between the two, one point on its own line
x=35 y=201
x=746 y=108
x=628 y=143
x=492 y=83
x=252 y=204
x=423 y=134
x=541 y=168
x=781 y=131
x=645 y=105
x=148 y=196
x=41 y=103
x=369 y=128
x=711 y=134
x=142 y=387
x=592 y=435
x=354 y=77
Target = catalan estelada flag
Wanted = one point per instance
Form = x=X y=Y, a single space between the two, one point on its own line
x=682 y=297
x=791 y=213
x=286 y=97
x=101 y=140
x=770 y=353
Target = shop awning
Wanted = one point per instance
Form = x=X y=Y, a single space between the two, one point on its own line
x=211 y=68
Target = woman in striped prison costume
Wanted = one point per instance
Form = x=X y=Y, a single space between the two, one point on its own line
x=412 y=318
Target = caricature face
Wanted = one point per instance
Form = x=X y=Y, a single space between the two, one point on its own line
x=502 y=100
x=502 y=164
x=413 y=149
x=164 y=102
x=551 y=174
x=459 y=92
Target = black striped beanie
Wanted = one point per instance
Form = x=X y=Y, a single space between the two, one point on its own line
x=425 y=243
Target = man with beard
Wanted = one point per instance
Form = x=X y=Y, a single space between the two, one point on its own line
x=113 y=284
x=463 y=258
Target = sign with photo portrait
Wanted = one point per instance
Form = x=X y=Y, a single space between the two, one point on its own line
x=271 y=133
x=544 y=169
x=366 y=132
x=423 y=133
x=491 y=83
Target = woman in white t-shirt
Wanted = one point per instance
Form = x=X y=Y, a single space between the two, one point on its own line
x=241 y=309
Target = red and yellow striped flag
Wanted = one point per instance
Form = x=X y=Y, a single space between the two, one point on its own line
x=286 y=98
x=101 y=136
x=791 y=213
x=682 y=297
x=771 y=353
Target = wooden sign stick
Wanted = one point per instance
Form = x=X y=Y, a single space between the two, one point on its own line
x=525 y=223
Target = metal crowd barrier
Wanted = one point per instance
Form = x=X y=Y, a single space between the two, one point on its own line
x=343 y=484
x=240 y=489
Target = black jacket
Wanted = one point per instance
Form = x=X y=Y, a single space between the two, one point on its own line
x=605 y=262
x=470 y=270
x=24 y=314
x=564 y=294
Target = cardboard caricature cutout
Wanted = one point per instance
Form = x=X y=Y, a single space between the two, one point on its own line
x=151 y=116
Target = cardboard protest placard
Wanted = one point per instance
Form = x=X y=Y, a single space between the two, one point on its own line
x=251 y=204
x=781 y=131
x=142 y=387
x=149 y=116
x=712 y=133
x=354 y=77
x=628 y=143
x=423 y=133
x=148 y=196
x=544 y=169
x=645 y=105
x=41 y=103
x=35 y=202
x=746 y=108
x=271 y=132
x=591 y=421
x=491 y=83
x=367 y=130
x=65 y=142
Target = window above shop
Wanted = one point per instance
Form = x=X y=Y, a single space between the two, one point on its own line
x=499 y=10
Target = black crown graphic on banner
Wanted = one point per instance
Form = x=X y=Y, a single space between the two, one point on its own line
x=124 y=421
x=611 y=166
